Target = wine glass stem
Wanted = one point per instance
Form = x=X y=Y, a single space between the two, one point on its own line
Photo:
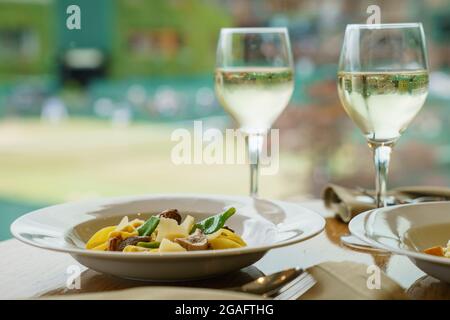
x=254 y=144
x=382 y=156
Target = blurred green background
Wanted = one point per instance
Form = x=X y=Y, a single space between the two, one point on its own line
x=88 y=113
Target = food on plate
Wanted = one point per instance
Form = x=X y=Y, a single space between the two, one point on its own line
x=439 y=251
x=167 y=232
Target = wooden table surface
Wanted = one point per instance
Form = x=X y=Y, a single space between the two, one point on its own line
x=27 y=272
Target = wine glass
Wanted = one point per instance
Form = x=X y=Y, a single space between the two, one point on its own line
x=383 y=84
x=254 y=81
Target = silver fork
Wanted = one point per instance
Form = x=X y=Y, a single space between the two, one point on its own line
x=296 y=288
x=288 y=284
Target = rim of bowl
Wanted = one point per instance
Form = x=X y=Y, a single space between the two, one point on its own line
x=356 y=226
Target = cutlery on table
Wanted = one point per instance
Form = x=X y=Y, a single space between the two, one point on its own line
x=288 y=284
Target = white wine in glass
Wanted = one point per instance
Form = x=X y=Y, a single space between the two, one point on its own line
x=383 y=104
x=254 y=82
x=383 y=84
x=256 y=96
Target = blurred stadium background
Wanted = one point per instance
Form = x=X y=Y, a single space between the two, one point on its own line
x=87 y=113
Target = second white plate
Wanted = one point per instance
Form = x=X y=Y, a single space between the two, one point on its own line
x=408 y=230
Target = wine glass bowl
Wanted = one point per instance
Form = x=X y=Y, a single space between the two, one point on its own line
x=382 y=85
x=254 y=97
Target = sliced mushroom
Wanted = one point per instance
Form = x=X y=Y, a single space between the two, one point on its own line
x=113 y=243
x=131 y=241
x=196 y=241
x=171 y=214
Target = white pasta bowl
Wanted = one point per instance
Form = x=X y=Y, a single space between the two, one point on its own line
x=409 y=230
x=263 y=224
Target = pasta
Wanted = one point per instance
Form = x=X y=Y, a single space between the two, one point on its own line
x=166 y=232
